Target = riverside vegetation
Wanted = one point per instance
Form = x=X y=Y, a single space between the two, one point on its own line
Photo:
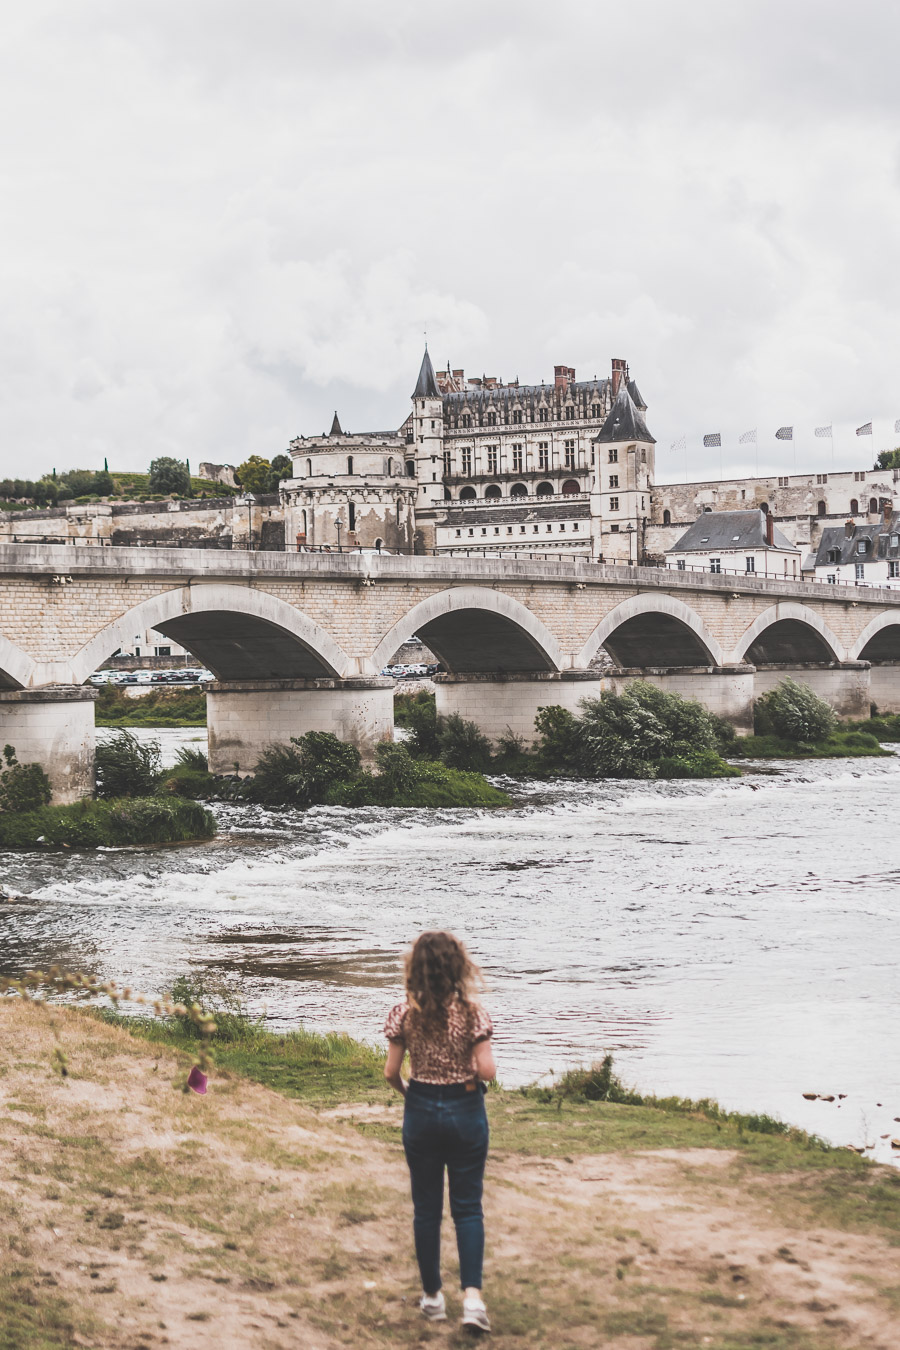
x=274 y=1212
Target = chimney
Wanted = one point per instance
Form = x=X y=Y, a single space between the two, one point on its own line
x=849 y=528
x=770 y=530
x=619 y=372
x=887 y=512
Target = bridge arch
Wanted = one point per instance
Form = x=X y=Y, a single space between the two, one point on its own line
x=653 y=630
x=16 y=667
x=238 y=632
x=475 y=629
x=789 y=633
x=880 y=640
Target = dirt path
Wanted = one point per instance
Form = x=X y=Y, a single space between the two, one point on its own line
x=134 y=1215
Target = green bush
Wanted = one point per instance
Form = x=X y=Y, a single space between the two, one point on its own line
x=407 y=705
x=301 y=773
x=627 y=735
x=23 y=787
x=168 y=475
x=696 y=764
x=193 y=783
x=422 y=722
x=462 y=746
x=95 y=824
x=189 y=758
x=123 y=767
x=231 y=1016
x=558 y=740
x=793 y=712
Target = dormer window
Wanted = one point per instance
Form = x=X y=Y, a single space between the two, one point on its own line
x=862 y=545
x=834 y=555
x=895 y=540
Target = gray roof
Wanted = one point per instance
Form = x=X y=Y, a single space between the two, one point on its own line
x=636 y=396
x=838 y=546
x=581 y=392
x=625 y=421
x=426 y=384
x=729 y=529
x=532 y=513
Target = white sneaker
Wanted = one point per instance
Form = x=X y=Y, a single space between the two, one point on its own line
x=474 y=1315
x=434 y=1308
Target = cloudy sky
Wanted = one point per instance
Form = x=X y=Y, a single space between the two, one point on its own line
x=221 y=219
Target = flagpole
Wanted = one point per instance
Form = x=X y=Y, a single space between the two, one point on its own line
x=685 y=458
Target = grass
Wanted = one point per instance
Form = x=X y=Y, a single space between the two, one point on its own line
x=845 y=743
x=160 y=707
x=113 y=823
x=274 y=1212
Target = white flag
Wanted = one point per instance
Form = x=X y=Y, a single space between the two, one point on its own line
x=865 y=429
x=784 y=434
x=823 y=431
x=714 y=438
x=748 y=438
x=680 y=444
x=897 y=424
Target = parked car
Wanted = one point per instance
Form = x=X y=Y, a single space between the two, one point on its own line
x=99 y=677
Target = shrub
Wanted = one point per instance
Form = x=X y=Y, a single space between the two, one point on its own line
x=626 y=735
x=124 y=767
x=189 y=758
x=406 y=705
x=254 y=474
x=232 y=1019
x=397 y=770
x=461 y=745
x=23 y=787
x=301 y=773
x=422 y=721
x=696 y=764
x=793 y=712
x=558 y=743
x=95 y=824
x=193 y=783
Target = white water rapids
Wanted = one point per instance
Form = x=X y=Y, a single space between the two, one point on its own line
x=735 y=940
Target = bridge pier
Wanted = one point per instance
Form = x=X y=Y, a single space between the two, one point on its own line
x=53 y=726
x=884 y=687
x=844 y=684
x=726 y=691
x=246 y=716
x=511 y=702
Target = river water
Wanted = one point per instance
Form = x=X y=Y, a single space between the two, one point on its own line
x=735 y=940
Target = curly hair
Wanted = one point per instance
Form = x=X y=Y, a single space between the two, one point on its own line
x=438 y=970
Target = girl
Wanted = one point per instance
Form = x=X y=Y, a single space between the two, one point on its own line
x=448 y=1036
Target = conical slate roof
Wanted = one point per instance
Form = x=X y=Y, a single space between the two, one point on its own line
x=336 y=426
x=625 y=422
x=636 y=396
x=426 y=384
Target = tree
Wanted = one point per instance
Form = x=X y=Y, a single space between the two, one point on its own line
x=253 y=474
x=169 y=475
x=282 y=467
x=888 y=459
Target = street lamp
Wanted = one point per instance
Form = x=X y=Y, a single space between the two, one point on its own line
x=337 y=525
x=249 y=501
x=630 y=535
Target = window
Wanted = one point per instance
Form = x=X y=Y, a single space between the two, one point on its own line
x=549 y=528
x=782 y=482
x=895 y=540
x=162 y=651
x=468 y=494
x=831 y=579
x=749 y=565
x=667 y=517
x=715 y=564
x=570 y=454
x=309 y=468
x=613 y=454
x=893 y=569
x=458 y=533
x=859 y=477
x=484 y=531
x=613 y=503
x=543 y=455
x=873 y=506
x=517 y=458
x=860 y=571
x=543 y=415
x=681 y=565
x=493 y=455
x=575 y=526
x=820 y=508
x=854 y=506
x=492 y=419
x=411 y=468
x=351 y=509
x=861 y=546
x=570 y=413
x=509 y=529
x=821 y=477
x=614 y=529
x=517 y=417
x=613 y=480
x=471 y=532
x=466 y=420
x=448 y=463
x=521 y=529
x=595 y=410
x=467 y=461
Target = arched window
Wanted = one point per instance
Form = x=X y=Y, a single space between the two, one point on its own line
x=667 y=517
x=350 y=465
x=309 y=468
x=764 y=508
x=570 y=487
x=351 y=507
x=820 y=508
x=873 y=506
x=545 y=489
x=379 y=545
x=411 y=468
x=467 y=494
x=518 y=490
x=494 y=491
x=854 y=506
x=304 y=522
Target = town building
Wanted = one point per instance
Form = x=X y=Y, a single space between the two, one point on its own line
x=748 y=542
x=861 y=555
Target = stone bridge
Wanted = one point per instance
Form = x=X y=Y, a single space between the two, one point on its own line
x=297 y=641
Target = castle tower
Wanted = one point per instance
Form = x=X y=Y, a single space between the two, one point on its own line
x=427 y=443
x=624 y=472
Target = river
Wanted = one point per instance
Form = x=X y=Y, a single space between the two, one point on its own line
x=735 y=940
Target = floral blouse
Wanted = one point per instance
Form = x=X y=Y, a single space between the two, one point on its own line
x=445 y=1056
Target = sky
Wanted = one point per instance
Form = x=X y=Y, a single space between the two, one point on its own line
x=221 y=220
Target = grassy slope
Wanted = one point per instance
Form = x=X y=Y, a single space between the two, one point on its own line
x=275 y=1212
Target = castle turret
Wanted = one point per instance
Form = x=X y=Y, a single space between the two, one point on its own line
x=427 y=441
x=624 y=471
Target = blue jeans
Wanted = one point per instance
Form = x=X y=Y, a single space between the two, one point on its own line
x=446 y=1127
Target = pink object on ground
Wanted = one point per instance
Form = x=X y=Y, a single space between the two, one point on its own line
x=197 y=1080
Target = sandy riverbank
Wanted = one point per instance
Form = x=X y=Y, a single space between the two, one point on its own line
x=135 y=1215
